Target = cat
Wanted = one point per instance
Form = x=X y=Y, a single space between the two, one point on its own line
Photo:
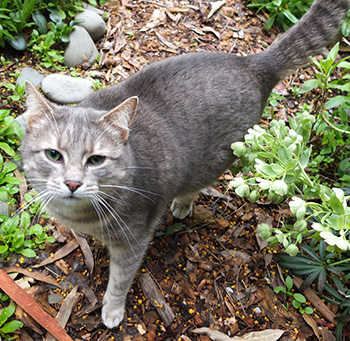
x=109 y=166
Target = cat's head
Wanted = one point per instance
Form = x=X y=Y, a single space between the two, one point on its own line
x=72 y=153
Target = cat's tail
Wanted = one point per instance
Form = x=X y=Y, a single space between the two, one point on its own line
x=315 y=30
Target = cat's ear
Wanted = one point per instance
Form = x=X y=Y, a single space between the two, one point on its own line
x=121 y=116
x=38 y=108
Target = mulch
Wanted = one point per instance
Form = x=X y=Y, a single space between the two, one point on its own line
x=211 y=269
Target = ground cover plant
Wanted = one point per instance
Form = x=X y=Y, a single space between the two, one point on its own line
x=213 y=269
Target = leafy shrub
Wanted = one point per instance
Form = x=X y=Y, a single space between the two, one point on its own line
x=285 y=13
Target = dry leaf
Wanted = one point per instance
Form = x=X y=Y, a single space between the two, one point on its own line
x=312 y=323
x=265 y=335
x=215 y=6
x=85 y=248
x=64 y=251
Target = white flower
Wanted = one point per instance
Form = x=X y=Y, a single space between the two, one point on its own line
x=296 y=203
x=340 y=241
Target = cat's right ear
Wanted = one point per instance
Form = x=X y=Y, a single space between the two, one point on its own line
x=38 y=109
x=122 y=116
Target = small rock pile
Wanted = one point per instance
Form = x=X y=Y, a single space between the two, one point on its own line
x=66 y=89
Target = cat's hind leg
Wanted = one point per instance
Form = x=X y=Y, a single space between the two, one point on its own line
x=181 y=206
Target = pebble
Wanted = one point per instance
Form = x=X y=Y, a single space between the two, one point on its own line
x=81 y=48
x=34 y=76
x=66 y=89
x=93 y=23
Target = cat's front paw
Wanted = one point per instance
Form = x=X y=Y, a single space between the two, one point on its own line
x=181 y=208
x=112 y=315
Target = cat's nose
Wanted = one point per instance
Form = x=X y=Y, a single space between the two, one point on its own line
x=73 y=185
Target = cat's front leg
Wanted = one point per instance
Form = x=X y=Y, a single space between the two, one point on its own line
x=124 y=263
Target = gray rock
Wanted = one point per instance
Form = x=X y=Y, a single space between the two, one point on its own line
x=91 y=8
x=65 y=89
x=34 y=76
x=93 y=23
x=4 y=208
x=79 y=47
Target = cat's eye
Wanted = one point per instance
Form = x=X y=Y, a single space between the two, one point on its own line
x=96 y=160
x=54 y=155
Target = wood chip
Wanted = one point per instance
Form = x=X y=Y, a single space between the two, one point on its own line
x=152 y=292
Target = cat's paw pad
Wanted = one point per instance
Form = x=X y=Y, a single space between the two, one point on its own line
x=179 y=209
x=112 y=315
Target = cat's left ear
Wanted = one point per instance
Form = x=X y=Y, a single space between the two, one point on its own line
x=121 y=117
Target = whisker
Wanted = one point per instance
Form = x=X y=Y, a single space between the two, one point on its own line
x=135 y=190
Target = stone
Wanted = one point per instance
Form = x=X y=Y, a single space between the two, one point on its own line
x=80 y=48
x=93 y=23
x=66 y=89
x=92 y=8
x=34 y=76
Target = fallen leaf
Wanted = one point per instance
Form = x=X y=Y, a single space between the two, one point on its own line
x=38 y=276
x=64 y=251
x=215 y=6
x=65 y=310
x=85 y=248
x=312 y=323
x=265 y=335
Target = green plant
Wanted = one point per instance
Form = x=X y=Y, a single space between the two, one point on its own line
x=271 y=104
x=18 y=91
x=285 y=12
x=8 y=327
x=17 y=235
x=298 y=300
x=42 y=45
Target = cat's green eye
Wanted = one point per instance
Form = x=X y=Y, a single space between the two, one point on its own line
x=96 y=160
x=54 y=155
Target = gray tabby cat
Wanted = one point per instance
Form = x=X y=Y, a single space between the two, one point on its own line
x=109 y=166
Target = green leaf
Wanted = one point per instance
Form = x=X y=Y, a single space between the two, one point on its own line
x=18 y=43
x=7 y=149
x=169 y=230
x=9 y=167
x=35 y=229
x=288 y=14
x=3 y=248
x=243 y=190
x=11 y=326
x=278 y=289
x=335 y=101
x=6 y=313
x=28 y=253
x=25 y=220
x=332 y=55
x=309 y=85
x=289 y=283
x=308 y=310
x=40 y=21
x=284 y=154
x=336 y=205
x=299 y=297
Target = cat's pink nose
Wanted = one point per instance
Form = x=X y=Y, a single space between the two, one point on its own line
x=73 y=185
